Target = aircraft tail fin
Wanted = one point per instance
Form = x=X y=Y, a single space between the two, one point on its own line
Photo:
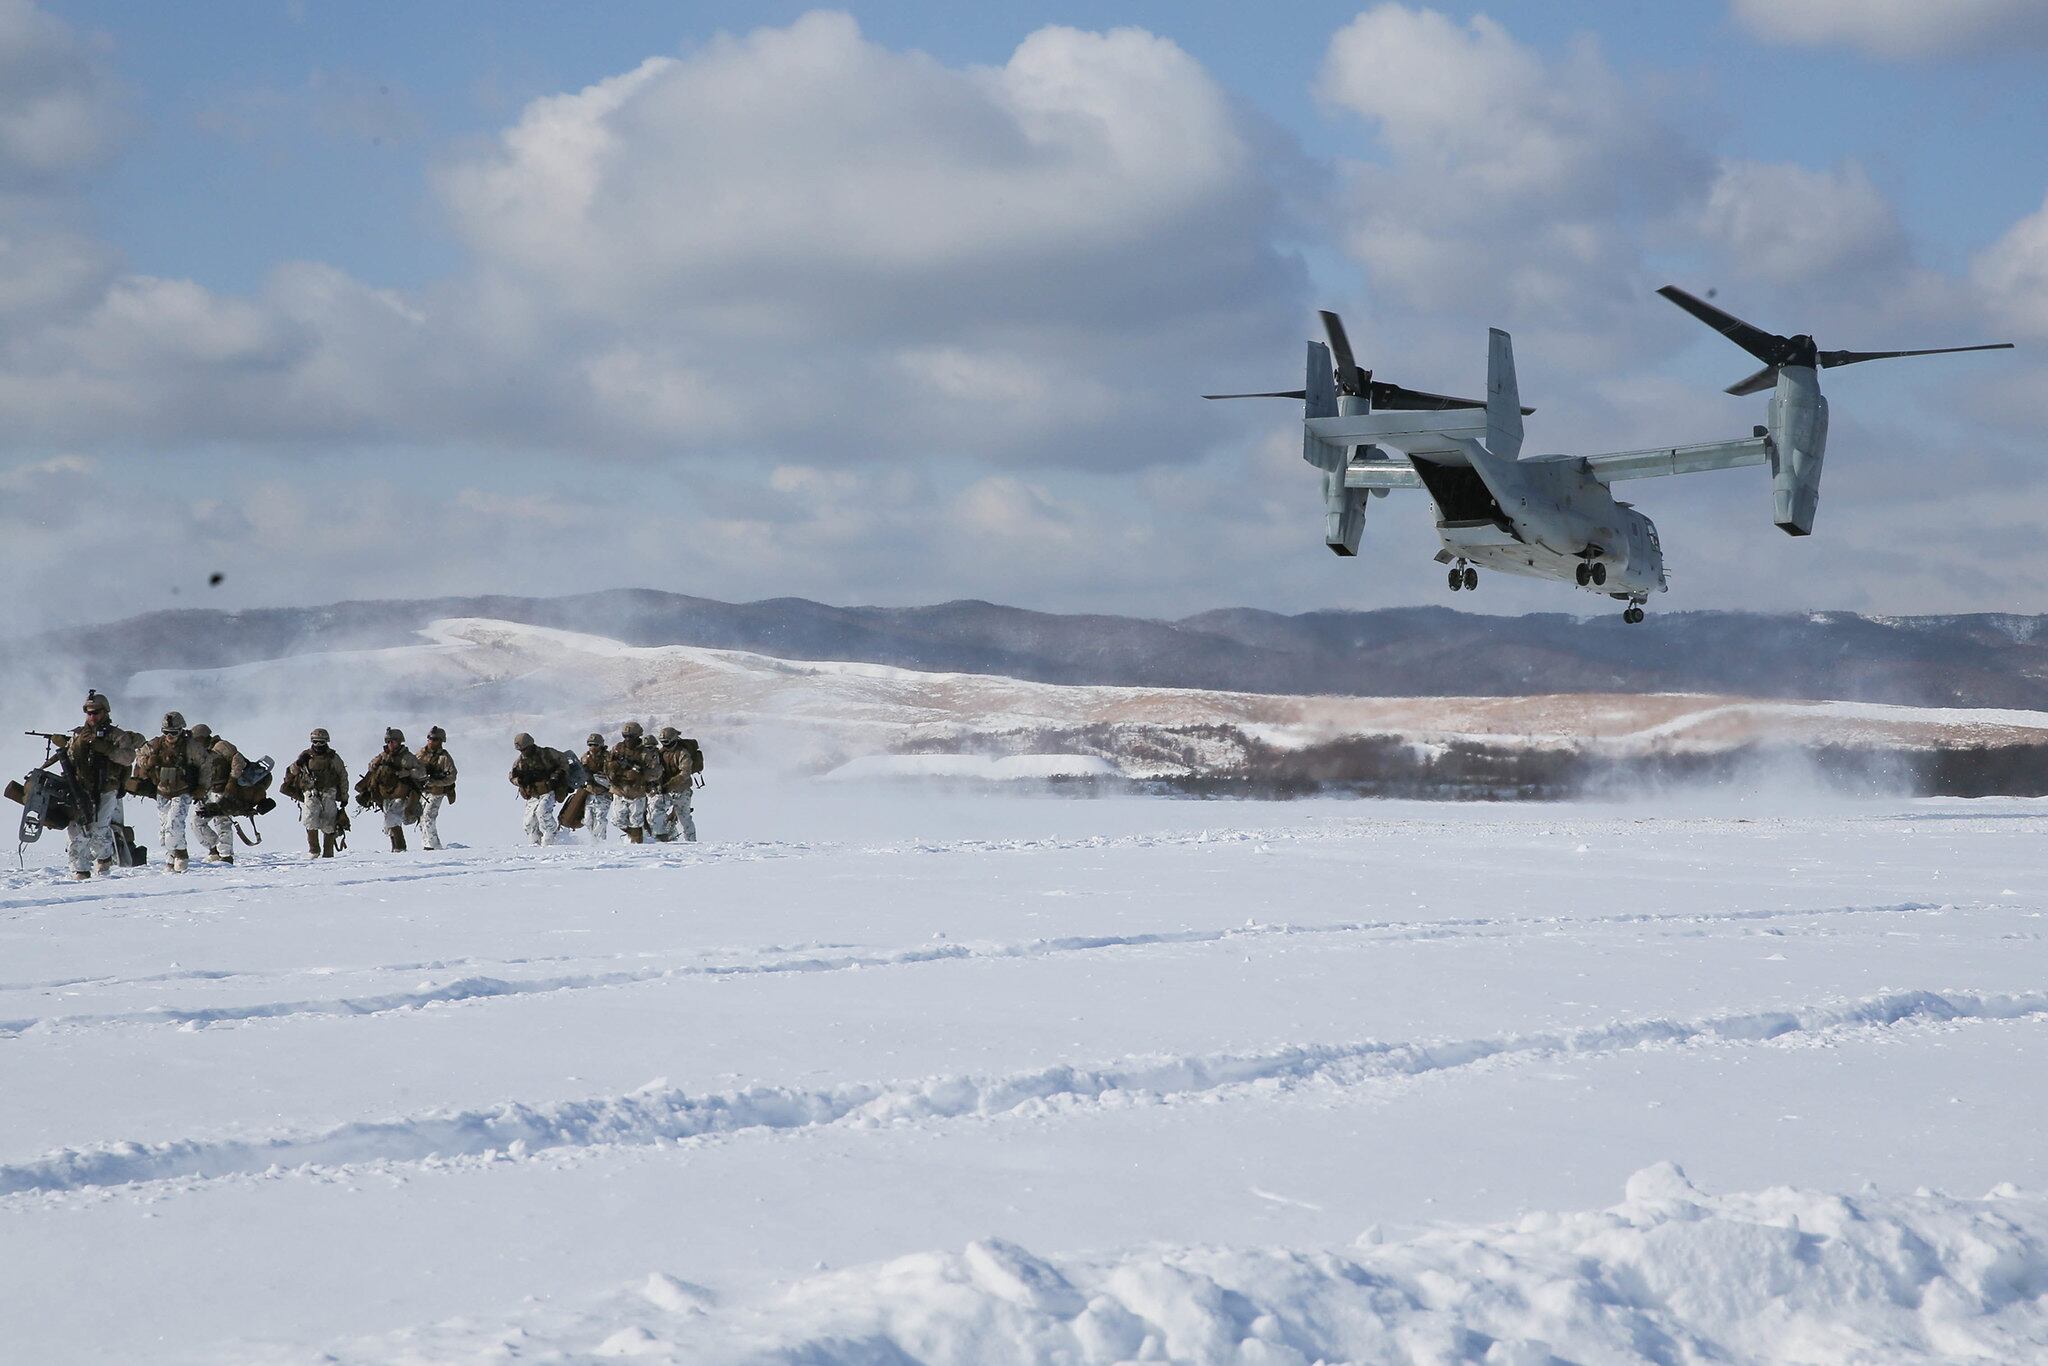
x=1503 y=398
x=1319 y=399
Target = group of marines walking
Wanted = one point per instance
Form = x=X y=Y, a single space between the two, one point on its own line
x=643 y=788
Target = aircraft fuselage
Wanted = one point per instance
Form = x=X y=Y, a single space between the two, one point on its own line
x=1542 y=518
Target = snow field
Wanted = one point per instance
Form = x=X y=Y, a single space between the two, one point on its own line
x=473 y=1106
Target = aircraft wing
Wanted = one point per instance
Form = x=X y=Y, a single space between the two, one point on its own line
x=1381 y=474
x=1652 y=464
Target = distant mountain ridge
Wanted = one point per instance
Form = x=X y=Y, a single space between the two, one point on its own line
x=1977 y=660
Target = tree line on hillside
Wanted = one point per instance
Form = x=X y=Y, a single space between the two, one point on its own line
x=1217 y=760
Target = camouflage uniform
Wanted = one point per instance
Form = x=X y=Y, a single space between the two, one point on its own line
x=670 y=806
x=542 y=777
x=100 y=753
x=635 y=770
x=219 y=770
x=598 y=793
x=319 y=780
x=393 y=781
x=172 y=764
x=439 y=766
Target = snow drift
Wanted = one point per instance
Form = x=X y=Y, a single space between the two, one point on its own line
x=1669 y=1274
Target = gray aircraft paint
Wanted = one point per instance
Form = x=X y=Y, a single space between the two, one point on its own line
x=1550 y=516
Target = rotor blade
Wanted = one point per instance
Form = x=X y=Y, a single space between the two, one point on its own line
x=1275 y=393
x=1393 y=396
x=1765 y=346
x=1766 y=378
x=1828 y=359
x=1349 y=381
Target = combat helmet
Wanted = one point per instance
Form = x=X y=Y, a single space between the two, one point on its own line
x=669 y=735
x=393 y=735
x=631 y=730
x=319 y=735
x=522 y=742
x=436 y=733
x=96 y=700
x=593 y=739
x=174 y=721
x=202 y=732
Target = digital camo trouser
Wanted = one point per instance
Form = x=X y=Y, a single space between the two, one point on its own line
x=92 y=836
x=541 y=824
x=666 y=811
x=214 y=834
x=171 y=815
x=597 y=810
x=430 y=820
x=321 y=812
x=629 y=813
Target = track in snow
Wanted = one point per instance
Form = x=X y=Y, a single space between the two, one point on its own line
x=1233 y=1025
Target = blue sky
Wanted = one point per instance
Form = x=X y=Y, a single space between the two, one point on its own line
x=1956 y=143
x=313 y=290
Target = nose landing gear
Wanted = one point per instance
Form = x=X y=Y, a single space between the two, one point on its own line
x=1463 y=576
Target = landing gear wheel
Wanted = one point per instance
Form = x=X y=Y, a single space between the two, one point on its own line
x=1457 y=580
x=1633 y=615
x=1471 y=579
x=1584 y=573
x=1598 y=574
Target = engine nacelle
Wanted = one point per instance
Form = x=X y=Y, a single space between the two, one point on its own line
x=1345 y=523
x=1798 y=419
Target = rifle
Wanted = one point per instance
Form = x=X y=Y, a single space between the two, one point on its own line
x=56 y=747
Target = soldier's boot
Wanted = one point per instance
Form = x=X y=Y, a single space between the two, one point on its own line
x=327 y=846
x=80 y=875
x=102 y=867
x=228 y=858
x=634 y=834
x=213 y=856
x=397 y=839
x=181 y=859
x=313 y=843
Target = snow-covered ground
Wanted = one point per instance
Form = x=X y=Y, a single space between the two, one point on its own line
x=874 y=1076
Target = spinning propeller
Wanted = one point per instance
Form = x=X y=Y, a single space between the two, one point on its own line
x=1775 y=351
x=1355 y=383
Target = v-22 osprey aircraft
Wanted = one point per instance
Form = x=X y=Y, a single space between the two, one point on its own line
x=1550 y=516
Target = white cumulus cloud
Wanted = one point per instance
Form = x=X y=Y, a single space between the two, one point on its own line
x=1898 y=29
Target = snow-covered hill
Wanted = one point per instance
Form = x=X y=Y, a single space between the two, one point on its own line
x=1984 y=660
x=495 y=675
